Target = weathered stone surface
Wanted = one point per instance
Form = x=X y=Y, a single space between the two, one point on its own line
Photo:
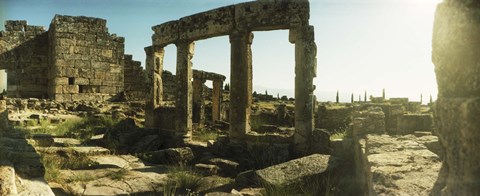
x=396 y=165
x=203 y=25
x=294 y=171
x=409 y=123
x=271 y=15
x=227 y=167
x=369 y=121
x=456 y=55
x=76 y=55
x=7 y=179
x=171 y=156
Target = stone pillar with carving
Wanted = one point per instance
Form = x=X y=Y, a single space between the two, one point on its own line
x=305 y=70
x=216 y=99
x=183 y=100
x=456 y=55
x=240 y=84
x=154 y=69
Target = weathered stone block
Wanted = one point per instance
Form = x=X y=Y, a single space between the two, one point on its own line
x=165 y=33
x=60 y=81
x=175 y=156
x=108 y=90
x=70 y=89
x=294 y=171
x=269 y=15
x=81 y=81
x=207 y=24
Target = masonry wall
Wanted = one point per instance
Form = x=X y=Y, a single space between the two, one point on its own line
x=86 y=61
x=134 y=79
x=24 y=54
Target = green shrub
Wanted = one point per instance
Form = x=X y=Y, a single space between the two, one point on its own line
x=183 y=181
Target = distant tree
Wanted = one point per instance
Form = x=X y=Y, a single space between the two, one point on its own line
x=278 y=95
x=266 y=93
x=254 y=93
x=421 y=98
x=337 y=98
x=365 y=97
x=383 y=94
x=351 y=98
x=227 y=87
x=284 y=98
x=431 y=100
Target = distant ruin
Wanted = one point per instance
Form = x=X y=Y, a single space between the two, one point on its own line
x=238 y=22
x=76 y=59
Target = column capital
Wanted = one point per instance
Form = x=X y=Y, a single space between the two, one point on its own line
x=303 y=33
x=246 y=36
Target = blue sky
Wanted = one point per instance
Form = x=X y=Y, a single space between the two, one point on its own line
x=362 y=44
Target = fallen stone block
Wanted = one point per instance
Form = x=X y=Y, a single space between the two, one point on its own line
x=170 y=156
x=227 y=167
x=294 y=171
x=7 y=179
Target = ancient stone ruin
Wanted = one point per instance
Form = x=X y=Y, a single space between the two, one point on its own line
x=386 y=146
x=238 y=22
x=76 y=59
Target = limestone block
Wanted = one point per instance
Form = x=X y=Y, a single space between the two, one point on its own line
x=175 y=156
x=166 y=33
x=81 y=81
x=96 y=82
x=7 y=179
x=60 y=81
x=294 y=171
x=99 y=75
x=108 y=90
x=262 y=15
x=70 y=89
x=81 y=64
x=207 y=24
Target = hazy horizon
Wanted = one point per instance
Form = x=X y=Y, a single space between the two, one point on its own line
x=363 y=45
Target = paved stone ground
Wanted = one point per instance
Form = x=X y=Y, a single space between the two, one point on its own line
x=401 y=165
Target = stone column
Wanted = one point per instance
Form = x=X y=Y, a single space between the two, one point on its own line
x=3 y=80
x=456 y=55
x=240 y=83
x=183 y=99
x=198 y=101
x=305 y=71
x=216 y=99
x=154 y=69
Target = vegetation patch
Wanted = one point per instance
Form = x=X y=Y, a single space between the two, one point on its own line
x=183 y=180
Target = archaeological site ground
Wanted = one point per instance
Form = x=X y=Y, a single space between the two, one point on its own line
x=79 y=116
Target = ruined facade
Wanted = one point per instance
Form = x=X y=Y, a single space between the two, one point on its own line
x=76 y=59
x=238 y=22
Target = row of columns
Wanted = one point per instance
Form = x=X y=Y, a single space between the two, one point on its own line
x=199 y=100
x=240 y=84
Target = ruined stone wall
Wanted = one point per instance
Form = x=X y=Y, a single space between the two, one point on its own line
x=86 y=61
x=134 y=79
x=169 y=85
x=24 y=54
x=456 y=53
x=333 y=118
